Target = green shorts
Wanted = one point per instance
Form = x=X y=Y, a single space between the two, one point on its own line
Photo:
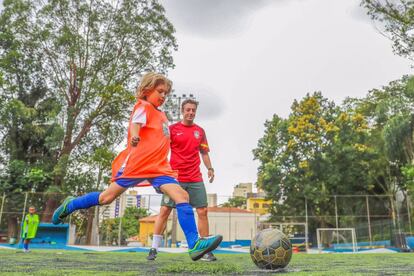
x=196 y=191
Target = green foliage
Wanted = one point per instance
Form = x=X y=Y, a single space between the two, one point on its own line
x=296 y=153
x=68 y=70
x=131 y=219
x=109 y=228
x=237 y=201
x=396 y=18
x=408 y=173
x=17 y=177
x=389 y=111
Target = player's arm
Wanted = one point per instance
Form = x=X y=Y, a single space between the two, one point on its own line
x=207 y=163
x=139 y=119
x=135 y=128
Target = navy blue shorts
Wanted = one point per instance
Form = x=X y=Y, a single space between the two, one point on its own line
x=156 y=182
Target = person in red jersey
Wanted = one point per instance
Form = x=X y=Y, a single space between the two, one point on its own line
x=188 y=142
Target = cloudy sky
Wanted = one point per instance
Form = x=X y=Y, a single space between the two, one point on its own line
x=247 y=60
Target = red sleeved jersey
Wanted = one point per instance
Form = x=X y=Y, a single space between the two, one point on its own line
x=186 y=144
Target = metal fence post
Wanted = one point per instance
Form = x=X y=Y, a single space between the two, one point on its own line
x=369 y=222
x=306 y=226
x=24 y=206
x=120 y=223
x=409 y=213
x=2 y=205
x=230 y=223
x=336 y=220
x=98 y=236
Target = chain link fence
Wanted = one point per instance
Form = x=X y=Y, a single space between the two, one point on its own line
x=378 y=221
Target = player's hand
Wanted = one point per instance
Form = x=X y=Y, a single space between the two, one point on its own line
x=134 y=141
x=210 y=175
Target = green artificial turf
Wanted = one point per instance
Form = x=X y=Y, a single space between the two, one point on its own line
x=56 y=262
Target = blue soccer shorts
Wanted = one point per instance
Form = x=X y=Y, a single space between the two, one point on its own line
x=156 y=182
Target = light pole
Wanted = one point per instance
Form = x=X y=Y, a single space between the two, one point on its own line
x=172 y=109
x=172 y=106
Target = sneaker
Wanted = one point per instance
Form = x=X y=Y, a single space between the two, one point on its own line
x=60 y=213
x=26 y=251
x=152 y=255
x=208 y=257
x=204 y=245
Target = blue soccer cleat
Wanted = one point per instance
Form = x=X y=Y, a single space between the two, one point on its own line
x=204 y=245
x=60 y=213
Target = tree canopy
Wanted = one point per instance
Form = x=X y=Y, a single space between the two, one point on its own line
x=396 y=21
x=296 y=153
x=68 y=70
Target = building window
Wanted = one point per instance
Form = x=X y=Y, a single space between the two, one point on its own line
x=265 y=205
x=256 y=205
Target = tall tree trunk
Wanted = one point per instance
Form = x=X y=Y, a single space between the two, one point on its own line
x=12 y=226
x=90 y=217
x=50 y=206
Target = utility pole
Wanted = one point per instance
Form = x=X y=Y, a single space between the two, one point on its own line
x=173 y=110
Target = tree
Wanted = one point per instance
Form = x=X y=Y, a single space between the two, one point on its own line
x=84 y=55
x=389 y=111
x=68 y=70
x=295 y=155
x=109 y=229
x=131 y=220
x=237 y=202
x=397 y=19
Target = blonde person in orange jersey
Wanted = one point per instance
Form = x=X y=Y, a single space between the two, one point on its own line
x=145 y=159
x=188 y=143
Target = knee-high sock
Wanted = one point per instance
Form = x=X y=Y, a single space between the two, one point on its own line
x=83 y=202
x=186 y=219
x=26 y=246
x=156 y=241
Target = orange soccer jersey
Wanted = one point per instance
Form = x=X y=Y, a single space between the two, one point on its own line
x=150 y=157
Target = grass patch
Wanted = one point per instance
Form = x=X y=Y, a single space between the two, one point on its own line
x=59 y=262
x=202 y=268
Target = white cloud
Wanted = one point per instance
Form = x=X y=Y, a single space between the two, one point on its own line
x=213 y=17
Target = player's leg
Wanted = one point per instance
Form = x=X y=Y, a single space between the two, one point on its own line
x=197 y=246
x=185 y=212
x=159 y=227
x=26 y=245
x=71 y=204
x=198 y=199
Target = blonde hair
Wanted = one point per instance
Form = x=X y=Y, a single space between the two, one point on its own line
x=149 y=81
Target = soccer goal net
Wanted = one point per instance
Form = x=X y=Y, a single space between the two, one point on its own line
x=336 y=239
x=297 y=232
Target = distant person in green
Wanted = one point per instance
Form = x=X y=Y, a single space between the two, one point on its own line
x=29 y=228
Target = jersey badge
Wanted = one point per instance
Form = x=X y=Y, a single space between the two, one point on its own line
x=196 y=134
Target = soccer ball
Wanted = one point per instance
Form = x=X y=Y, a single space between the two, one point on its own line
x=271 y=249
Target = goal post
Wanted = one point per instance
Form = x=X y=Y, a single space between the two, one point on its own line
x=336 y=239
x=297 y=232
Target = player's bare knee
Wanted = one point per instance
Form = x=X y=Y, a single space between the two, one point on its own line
x=202 y=212
x=185 y=197
x=106 y=199
x=182 y=197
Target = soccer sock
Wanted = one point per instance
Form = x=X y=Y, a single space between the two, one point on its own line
x=83 y=202
x=26 y=246
x=156 y=241
x=186 y=219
